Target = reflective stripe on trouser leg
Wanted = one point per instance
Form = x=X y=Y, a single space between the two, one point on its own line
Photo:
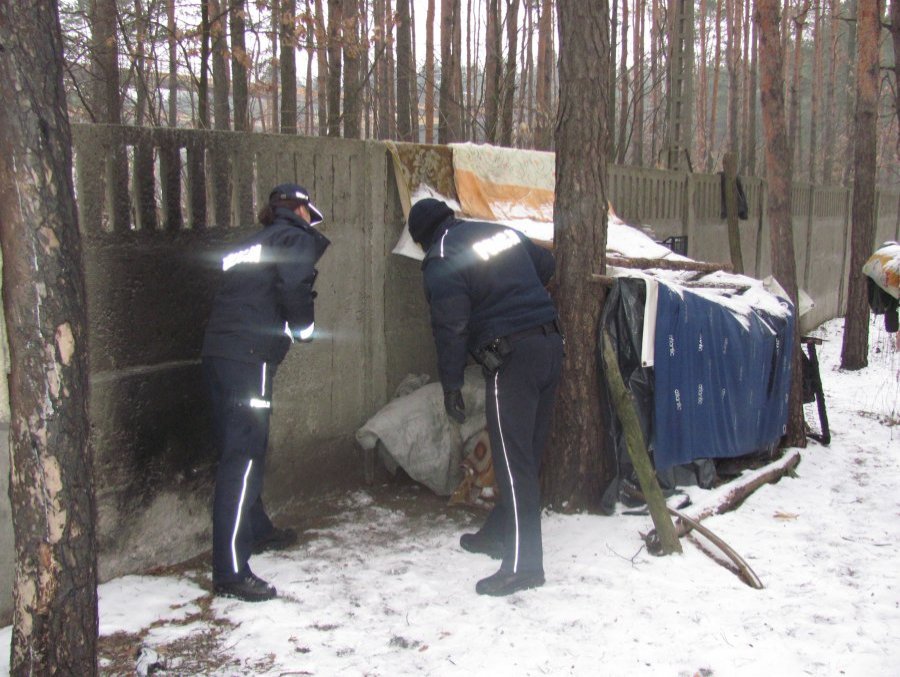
x=237 y=519
x=512 y=486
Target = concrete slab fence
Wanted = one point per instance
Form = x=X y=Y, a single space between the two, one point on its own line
x=157 y=207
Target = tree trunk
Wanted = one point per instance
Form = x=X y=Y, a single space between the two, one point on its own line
x=492 y=49
x=574 y=469
x=848 y=87
x=621 y=142
x=274 y=89
x=542 y=140
x=778 y=175
x=389 y=70
x=732 y=27
x=450 y=113
x=828 y=149
x=714 y=98
x=352 y=83
x=321 y=67
x=794 y=123
x=203 y=86
x=895 y=41
x=141 y=20
x=173 y=64
x=750 y=155
x=854 y=351
x=240 y=61
x=309 y=90
x=637 y=157
x=288 y=42
x=382 y=109
x=51 y=486
x=815 y=104
x=508 y=96
x=221 y=109
x=106 y=101
x=405 y=114
x=429 y=73
x=611 y=103
x=335 y=37
x=413 y=78
x=702 y=94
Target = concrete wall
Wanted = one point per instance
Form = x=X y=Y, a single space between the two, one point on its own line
x=689 y=204
x=151 y=277
x=152 y=259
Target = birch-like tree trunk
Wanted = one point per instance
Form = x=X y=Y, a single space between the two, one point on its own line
x=51 y=486
x=779 y=178
x=854 y=351
x=573 y=469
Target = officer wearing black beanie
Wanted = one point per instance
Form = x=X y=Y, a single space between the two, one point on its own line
x=485 y=285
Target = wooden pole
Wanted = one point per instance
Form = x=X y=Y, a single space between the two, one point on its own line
x=666 y=264
x=656 y=502
x=729 y=163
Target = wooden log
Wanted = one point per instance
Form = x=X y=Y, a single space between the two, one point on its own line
x=730 y=496
x=666 y=264
x=746 y=573
x=609 y=281
x=637 y=451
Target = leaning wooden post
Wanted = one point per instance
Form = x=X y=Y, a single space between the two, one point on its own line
x=729 y=164
x=634 y=441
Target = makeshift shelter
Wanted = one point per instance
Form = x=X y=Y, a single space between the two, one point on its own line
x=706 y=353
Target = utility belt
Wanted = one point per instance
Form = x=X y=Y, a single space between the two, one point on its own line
x=492 y=356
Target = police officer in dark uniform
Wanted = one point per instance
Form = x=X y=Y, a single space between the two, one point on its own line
x=485 y=284
x=265 y=303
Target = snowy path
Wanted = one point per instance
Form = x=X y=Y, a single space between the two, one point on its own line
x=386 y=591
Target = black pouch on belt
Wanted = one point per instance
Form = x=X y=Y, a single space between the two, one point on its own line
x=493 y=355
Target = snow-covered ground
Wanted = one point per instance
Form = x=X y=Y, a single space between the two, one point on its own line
x=384 y=589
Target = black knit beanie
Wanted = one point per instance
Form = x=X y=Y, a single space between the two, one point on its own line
x=424 y=218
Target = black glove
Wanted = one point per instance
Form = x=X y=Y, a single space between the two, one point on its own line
x=453 y=403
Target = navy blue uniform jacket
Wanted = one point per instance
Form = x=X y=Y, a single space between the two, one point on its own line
x=267 y=282
x=483 y=281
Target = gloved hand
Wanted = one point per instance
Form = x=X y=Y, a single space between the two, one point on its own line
x=453 y=404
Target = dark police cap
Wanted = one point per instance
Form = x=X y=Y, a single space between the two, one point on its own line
x=424 y=218
x=291 y=191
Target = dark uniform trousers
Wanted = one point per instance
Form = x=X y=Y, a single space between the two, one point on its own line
x=240 y=393
x=519 y=401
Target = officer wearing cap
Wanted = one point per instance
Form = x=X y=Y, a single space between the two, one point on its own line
x=485 y=285
x=265 y=303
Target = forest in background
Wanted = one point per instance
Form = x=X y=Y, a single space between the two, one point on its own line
x=441 y=71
